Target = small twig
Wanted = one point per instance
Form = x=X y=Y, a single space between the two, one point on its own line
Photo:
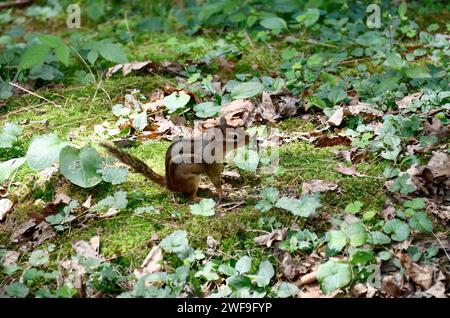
x=34 y=94
x=17 y=3
x=128 y=29
x=442 y=245
x=307 y=279
x=318 y=43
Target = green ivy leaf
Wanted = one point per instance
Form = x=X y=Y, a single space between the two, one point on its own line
x=399 y=230
x=80 y=166
x=309 y=17
x=378 y=238
x=273 y=23
x=114 y=175
x=417 y=72
x=246 y=159
x=337 y=95
x=421 y=222
x=206 y=110
x=112 y=52
x=38 y=258
x=44 y=151
x=176 y=100
x=9 y=134
x=362 y=257
x=337 y=240
x=204 y=208
x=287 y=290
x=265 y=274
x=8 y=167
x=356 y=233
x=304 y=207
x=385 y=255
x=354 y=207
x=117 y=202
x=402 y=10
x=244 y=264
x=17 y=289
x=177 y=243
x=140 y=121
x=416 y=204
x=269 y=198
x=120 y=111
x=34 y=56
x=96 y=9
x=246 y=90
x=333 y=275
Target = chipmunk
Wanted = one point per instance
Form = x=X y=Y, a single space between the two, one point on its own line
x=188 y=158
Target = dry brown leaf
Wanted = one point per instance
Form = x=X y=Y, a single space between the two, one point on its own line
x=87 y=249
x=441 y=211
x=289 y=267
x=34 y=231
x=151 y=264
x=10 y=258
x=226 y=65
x=437 y=290
x=212 y=243
x=330 y=141
x=366 y=109
x=337 y=118
x=5 y=206
x=268 y=239
x=348 y=171
x=388 y=212
x=231 y=174
x=62 y=198
x=392 y=285
x=439 y=164
x=268 y=109
x=320 y=186
x=353 y=155
x=407 y=100
x=421 y=275
x=88 y=203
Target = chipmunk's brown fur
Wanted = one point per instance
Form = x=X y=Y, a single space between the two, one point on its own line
x=185 y=163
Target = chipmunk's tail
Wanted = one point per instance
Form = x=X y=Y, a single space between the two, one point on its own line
x=134 y=163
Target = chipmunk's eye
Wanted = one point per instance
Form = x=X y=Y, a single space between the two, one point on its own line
x=235 y=137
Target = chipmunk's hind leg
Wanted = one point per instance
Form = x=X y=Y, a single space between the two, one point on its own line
x=214 y=173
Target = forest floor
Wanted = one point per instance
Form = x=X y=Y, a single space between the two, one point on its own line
x=77 y=110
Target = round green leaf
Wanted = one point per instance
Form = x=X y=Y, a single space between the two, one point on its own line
x=246 y=90
x=246 y=159
x=287 y=290
x=377 y=238
x=333 y=275
x=356 y=234
x=44 y=151
x=273 y=23
x=204 y=208
x=244 y=264
x=399 y=230
x=206 y=110
x=337 y=240
x=80 y=166
x=421 y=222
x=176 y=101
x=265 y=274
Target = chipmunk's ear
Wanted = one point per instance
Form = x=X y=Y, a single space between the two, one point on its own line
x=222 y=121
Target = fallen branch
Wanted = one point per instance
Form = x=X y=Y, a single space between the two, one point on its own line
x=16 y=4
x=34 y=94
x=307 y=279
